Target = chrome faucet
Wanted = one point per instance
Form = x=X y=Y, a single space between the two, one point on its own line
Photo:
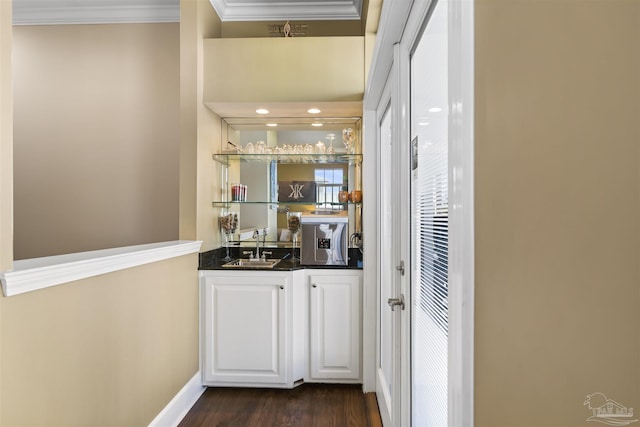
x=256 y=235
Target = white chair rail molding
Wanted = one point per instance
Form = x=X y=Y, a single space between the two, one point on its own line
x=38 y=273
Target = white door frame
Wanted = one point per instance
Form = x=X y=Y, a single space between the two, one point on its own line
x=461 y=216
x=400 y=23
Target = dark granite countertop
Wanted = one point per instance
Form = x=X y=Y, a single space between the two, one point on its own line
x=213 y=260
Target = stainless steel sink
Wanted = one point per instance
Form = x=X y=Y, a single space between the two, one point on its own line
x=324 y=212
x=252 y=263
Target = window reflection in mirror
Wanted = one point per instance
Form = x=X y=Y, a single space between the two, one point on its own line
x=328 y=178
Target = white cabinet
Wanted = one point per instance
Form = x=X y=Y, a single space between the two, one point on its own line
x=334 y=325
x=274 y=329
x=247 y=329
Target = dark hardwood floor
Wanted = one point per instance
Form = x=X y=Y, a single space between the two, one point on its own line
x=321 y=405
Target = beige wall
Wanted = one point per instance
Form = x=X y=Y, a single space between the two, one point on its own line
x=557 y=209
x=284 y=69
x=113 y=349
x=96 y=136
x=6 y=161
x=371 y=30
x=108 y=351
x=6 y=139
x=200 y=176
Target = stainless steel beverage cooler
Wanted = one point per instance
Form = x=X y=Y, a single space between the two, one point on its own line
x=324 y=239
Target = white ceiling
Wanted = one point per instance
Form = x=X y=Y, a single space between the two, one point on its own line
x=34 y=12
x=297 y=110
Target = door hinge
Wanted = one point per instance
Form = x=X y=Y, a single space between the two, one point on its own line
x=400 y=268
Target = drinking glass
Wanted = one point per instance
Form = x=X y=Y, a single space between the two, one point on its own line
x=308 y=151
x=293 y=224
x=348 y=138
x=331 y=136
x=320 y=148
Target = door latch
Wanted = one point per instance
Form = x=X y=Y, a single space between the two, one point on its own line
x=393 y=302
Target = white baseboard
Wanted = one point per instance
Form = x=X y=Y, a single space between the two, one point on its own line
x=181 y=403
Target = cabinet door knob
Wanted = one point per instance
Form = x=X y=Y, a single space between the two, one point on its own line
x=315 y=285
x=281 y=287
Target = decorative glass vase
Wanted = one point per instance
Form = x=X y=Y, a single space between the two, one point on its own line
x=228 y=225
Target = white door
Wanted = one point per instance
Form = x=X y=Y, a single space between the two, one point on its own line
x=385 y=372
x=424 y=370
x=392 y=262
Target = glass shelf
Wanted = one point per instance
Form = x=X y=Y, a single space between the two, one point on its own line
x=222 y=204
x=289 y=158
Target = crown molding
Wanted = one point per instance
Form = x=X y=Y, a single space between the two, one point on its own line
x=294 y=10
x=63 y=13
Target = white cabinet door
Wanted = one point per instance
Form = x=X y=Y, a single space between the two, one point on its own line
x=245 y=328
x=335 y=313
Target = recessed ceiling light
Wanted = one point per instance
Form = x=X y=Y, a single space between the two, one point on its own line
x=435 y=110
x=272 y=124
x=313 y=111
x=316 y=124
x=262 y=111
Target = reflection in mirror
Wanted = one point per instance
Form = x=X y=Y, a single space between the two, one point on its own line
x=286 y=180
